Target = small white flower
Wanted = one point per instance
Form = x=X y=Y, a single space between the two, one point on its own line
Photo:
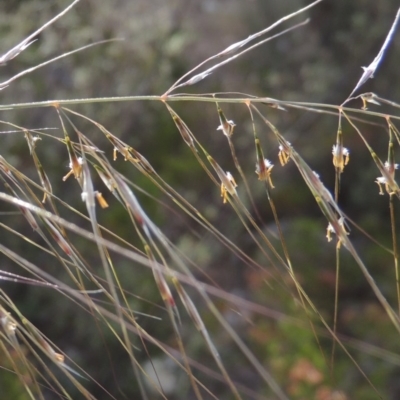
x=264 y=171
x=330 y=229
x=336 y=151
x=387 y=165
x=388 y=180
x=341 y=156
x=226 y=127
x=268 y=165
x=228 y=185
x=281 y=147
x=230 y=178
x=80 y=162
x=381 y=180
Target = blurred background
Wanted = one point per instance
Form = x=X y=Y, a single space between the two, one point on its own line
x=319 y=63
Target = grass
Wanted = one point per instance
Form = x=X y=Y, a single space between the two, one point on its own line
x=166 y=325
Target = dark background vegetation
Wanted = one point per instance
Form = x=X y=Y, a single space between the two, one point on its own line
x=318 y=63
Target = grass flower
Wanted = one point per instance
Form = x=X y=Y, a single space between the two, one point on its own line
x=284 y=154
x=384 y=180
x=228 y=185
x=264 y=171
x=341 y=157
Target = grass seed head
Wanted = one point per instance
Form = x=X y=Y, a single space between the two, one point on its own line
x=184 y=131
x=387 y=179
x=338 y=228
x=341 y=157
x=8 y=324
x=263 y=170
x=226 y=126
x=228 y=185
x=284 y=153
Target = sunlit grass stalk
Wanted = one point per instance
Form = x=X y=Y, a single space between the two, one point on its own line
x=227 y=128
x=392 y=166
x=329 y=207
x=340 y=160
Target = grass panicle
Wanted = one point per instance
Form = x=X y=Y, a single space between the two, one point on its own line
x=105 y=270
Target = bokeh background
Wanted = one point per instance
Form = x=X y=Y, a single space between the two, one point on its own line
x=317 y=63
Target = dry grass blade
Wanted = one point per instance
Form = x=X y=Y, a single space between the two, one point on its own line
x=232 y=48
x=371 y=69
x=27 y=71
x=199 y=77
x=31 y=38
